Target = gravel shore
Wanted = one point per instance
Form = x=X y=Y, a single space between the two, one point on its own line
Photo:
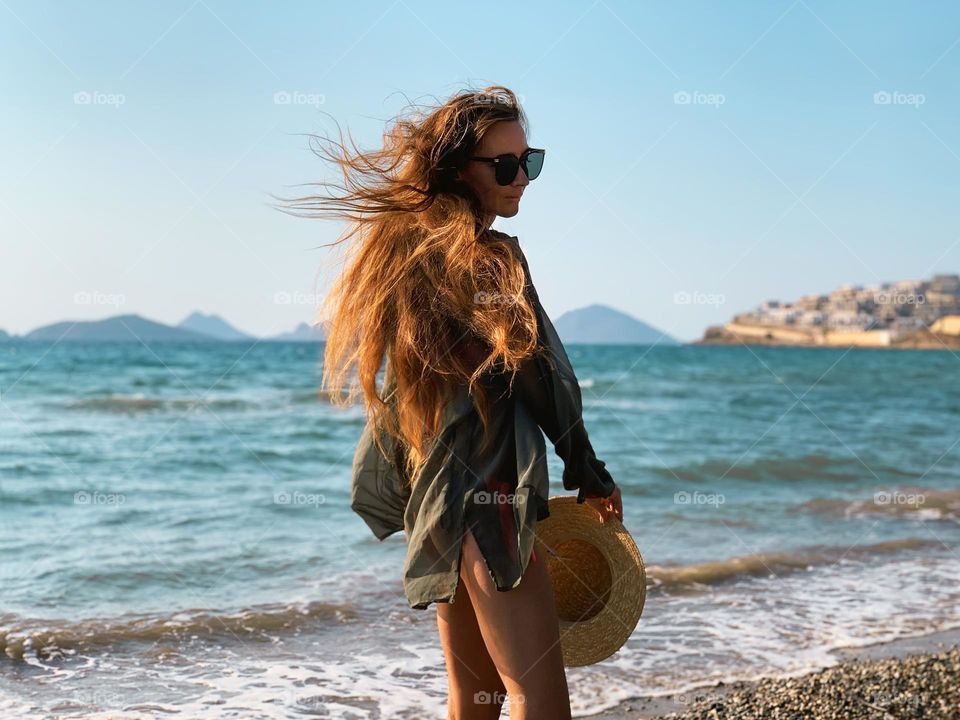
x=909 y=679
x=919 y=686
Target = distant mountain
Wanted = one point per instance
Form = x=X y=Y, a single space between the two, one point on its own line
x=214 y=326
x=602 y=325
x=120 y=328
x=598 y=324
x=304 y=332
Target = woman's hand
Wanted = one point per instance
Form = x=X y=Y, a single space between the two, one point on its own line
x=607 y=506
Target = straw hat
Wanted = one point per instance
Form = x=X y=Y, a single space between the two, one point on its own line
x=598 y=579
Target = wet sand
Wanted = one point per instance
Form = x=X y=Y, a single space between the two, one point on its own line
x=910 y=678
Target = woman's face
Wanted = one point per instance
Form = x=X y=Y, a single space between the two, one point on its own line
x=506 y=136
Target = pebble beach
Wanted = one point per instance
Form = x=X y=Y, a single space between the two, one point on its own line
x=890 y=681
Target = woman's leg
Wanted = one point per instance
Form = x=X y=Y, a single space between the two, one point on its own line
x=475 y=690
x=522 y=635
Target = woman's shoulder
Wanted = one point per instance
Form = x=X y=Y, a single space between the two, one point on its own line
x=512 y=239
x=503 y=235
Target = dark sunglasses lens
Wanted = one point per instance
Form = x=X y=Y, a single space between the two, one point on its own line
x=507 y=169
x=534 y=164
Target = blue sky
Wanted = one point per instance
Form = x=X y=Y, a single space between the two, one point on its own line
x=701 y=157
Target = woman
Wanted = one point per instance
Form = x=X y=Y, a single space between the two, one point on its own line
x=453 y=451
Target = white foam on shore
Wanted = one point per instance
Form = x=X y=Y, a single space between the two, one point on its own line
x=392 y=666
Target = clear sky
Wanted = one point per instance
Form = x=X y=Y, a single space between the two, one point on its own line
x=701 y=157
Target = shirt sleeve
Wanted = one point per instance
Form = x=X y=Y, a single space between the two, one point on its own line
x=550 y=391
x=558 y=412
x=379 y=488
x=547 y=386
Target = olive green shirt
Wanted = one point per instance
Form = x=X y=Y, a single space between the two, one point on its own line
x=501 y=493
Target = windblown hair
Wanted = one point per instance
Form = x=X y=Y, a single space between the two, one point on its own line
x=418 y=272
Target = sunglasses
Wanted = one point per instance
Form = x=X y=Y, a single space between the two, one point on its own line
x=507 y=165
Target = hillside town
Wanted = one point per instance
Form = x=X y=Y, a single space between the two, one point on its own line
x=906 y=313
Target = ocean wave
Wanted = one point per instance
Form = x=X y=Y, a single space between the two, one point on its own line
x=316 y=395
x=806 y=467
x=697 y=575
x=26 y=469
x=138 y=402
x=53 y=639
x=719 y=521
x=65 y=433
x=905 y=502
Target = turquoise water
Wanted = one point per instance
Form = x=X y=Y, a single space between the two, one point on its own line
x=176 y=536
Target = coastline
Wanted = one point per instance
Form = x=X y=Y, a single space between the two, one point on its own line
x=780 y=336
x=909 y=674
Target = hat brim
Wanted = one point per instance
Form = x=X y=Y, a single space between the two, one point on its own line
x=598 y=578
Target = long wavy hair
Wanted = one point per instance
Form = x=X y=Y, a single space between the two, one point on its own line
x=418 y=267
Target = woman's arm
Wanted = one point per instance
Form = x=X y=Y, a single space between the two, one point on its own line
x=558 y=415
x=548 y=388
x=558 y=412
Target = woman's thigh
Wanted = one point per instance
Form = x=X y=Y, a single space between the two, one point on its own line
x=521 y=633
x=475 y=687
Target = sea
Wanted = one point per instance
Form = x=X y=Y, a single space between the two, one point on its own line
x=176 y=538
